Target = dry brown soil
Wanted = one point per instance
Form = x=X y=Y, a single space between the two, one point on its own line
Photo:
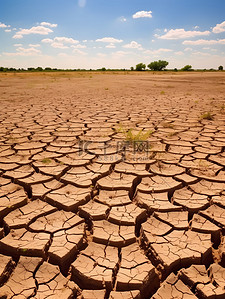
x=92 y=209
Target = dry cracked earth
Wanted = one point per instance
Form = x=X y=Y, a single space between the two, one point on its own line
x=85 y=214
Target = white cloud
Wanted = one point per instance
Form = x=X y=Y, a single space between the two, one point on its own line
x=59 y=45
x=78 y=46
x=122 y=19
x=60 y=41
x=33 y=30
x=187 y=49
x=17 y=45
x=204 y=42
x=77 y=51
x=158 y=51
x=8 y=30
x=34 y=45
x=48 y=24
x=111 y=46
x=47 y=40
x=2 y=25
x=179 y=53
x=181 y=34
x=24 y=52
x=66 y=40
x=219 y=28
x=200 y=53
x=133 y=45
x=142 y=14
x=109 y=40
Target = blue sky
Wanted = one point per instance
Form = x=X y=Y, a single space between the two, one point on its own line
x=111 y=33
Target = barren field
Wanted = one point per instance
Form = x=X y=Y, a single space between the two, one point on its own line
x=112 y=185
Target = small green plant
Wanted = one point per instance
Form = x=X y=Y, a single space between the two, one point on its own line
x=46 y=161
x=106 y=88
x=132 y=136
x=162 y=92
x=207 y=115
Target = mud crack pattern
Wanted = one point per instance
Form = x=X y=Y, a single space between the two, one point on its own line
x=84 y=217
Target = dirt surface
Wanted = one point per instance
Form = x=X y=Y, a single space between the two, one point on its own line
x=92 y=209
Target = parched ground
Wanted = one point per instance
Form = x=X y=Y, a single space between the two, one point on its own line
x=92 y=209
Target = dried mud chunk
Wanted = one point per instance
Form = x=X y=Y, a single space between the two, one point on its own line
x=68 y=198
x=29 y=145
x=215 y=214
x=210 y=291
x=208 y=188
x=220 y=159
x=164 y=169
x=76 y=159
x=177 y=219
x=11 y=201
x=21 y=283
x=93 y=294
x=20 y=172
x=127 y=215
x=219 y=200
x=84 y=177
x=113 y=198
x=217 y=275
x=136 y=169
x=125 y=295
x=158 y=184
x=111 y=234
x=209 y=171
x=39 y=190
x=173 y=288
x=155 y=202
x=93 y=269
x=186 y=178
x=174 y=149
x=50 y=167
x=23 y=216
x=117 y=181
x=35 y=178
x=52 y=284
x=180 y=249
x=93 y=210
x=136 y=271
x=65 y=245
x=56 y=221
x=152 y=228
x=194 y=274
x=190 y=200
x=201 y=224
x=23 y=242
x=6 y=267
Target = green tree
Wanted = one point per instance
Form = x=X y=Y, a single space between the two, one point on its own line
x=132 y=68
x=187 y=68
x=158 y=65
x=220 y=68
x=140 y=67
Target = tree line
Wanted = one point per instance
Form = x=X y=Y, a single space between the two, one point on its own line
x=159 y=65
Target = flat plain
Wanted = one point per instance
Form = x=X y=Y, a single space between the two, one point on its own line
x=112 y=185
